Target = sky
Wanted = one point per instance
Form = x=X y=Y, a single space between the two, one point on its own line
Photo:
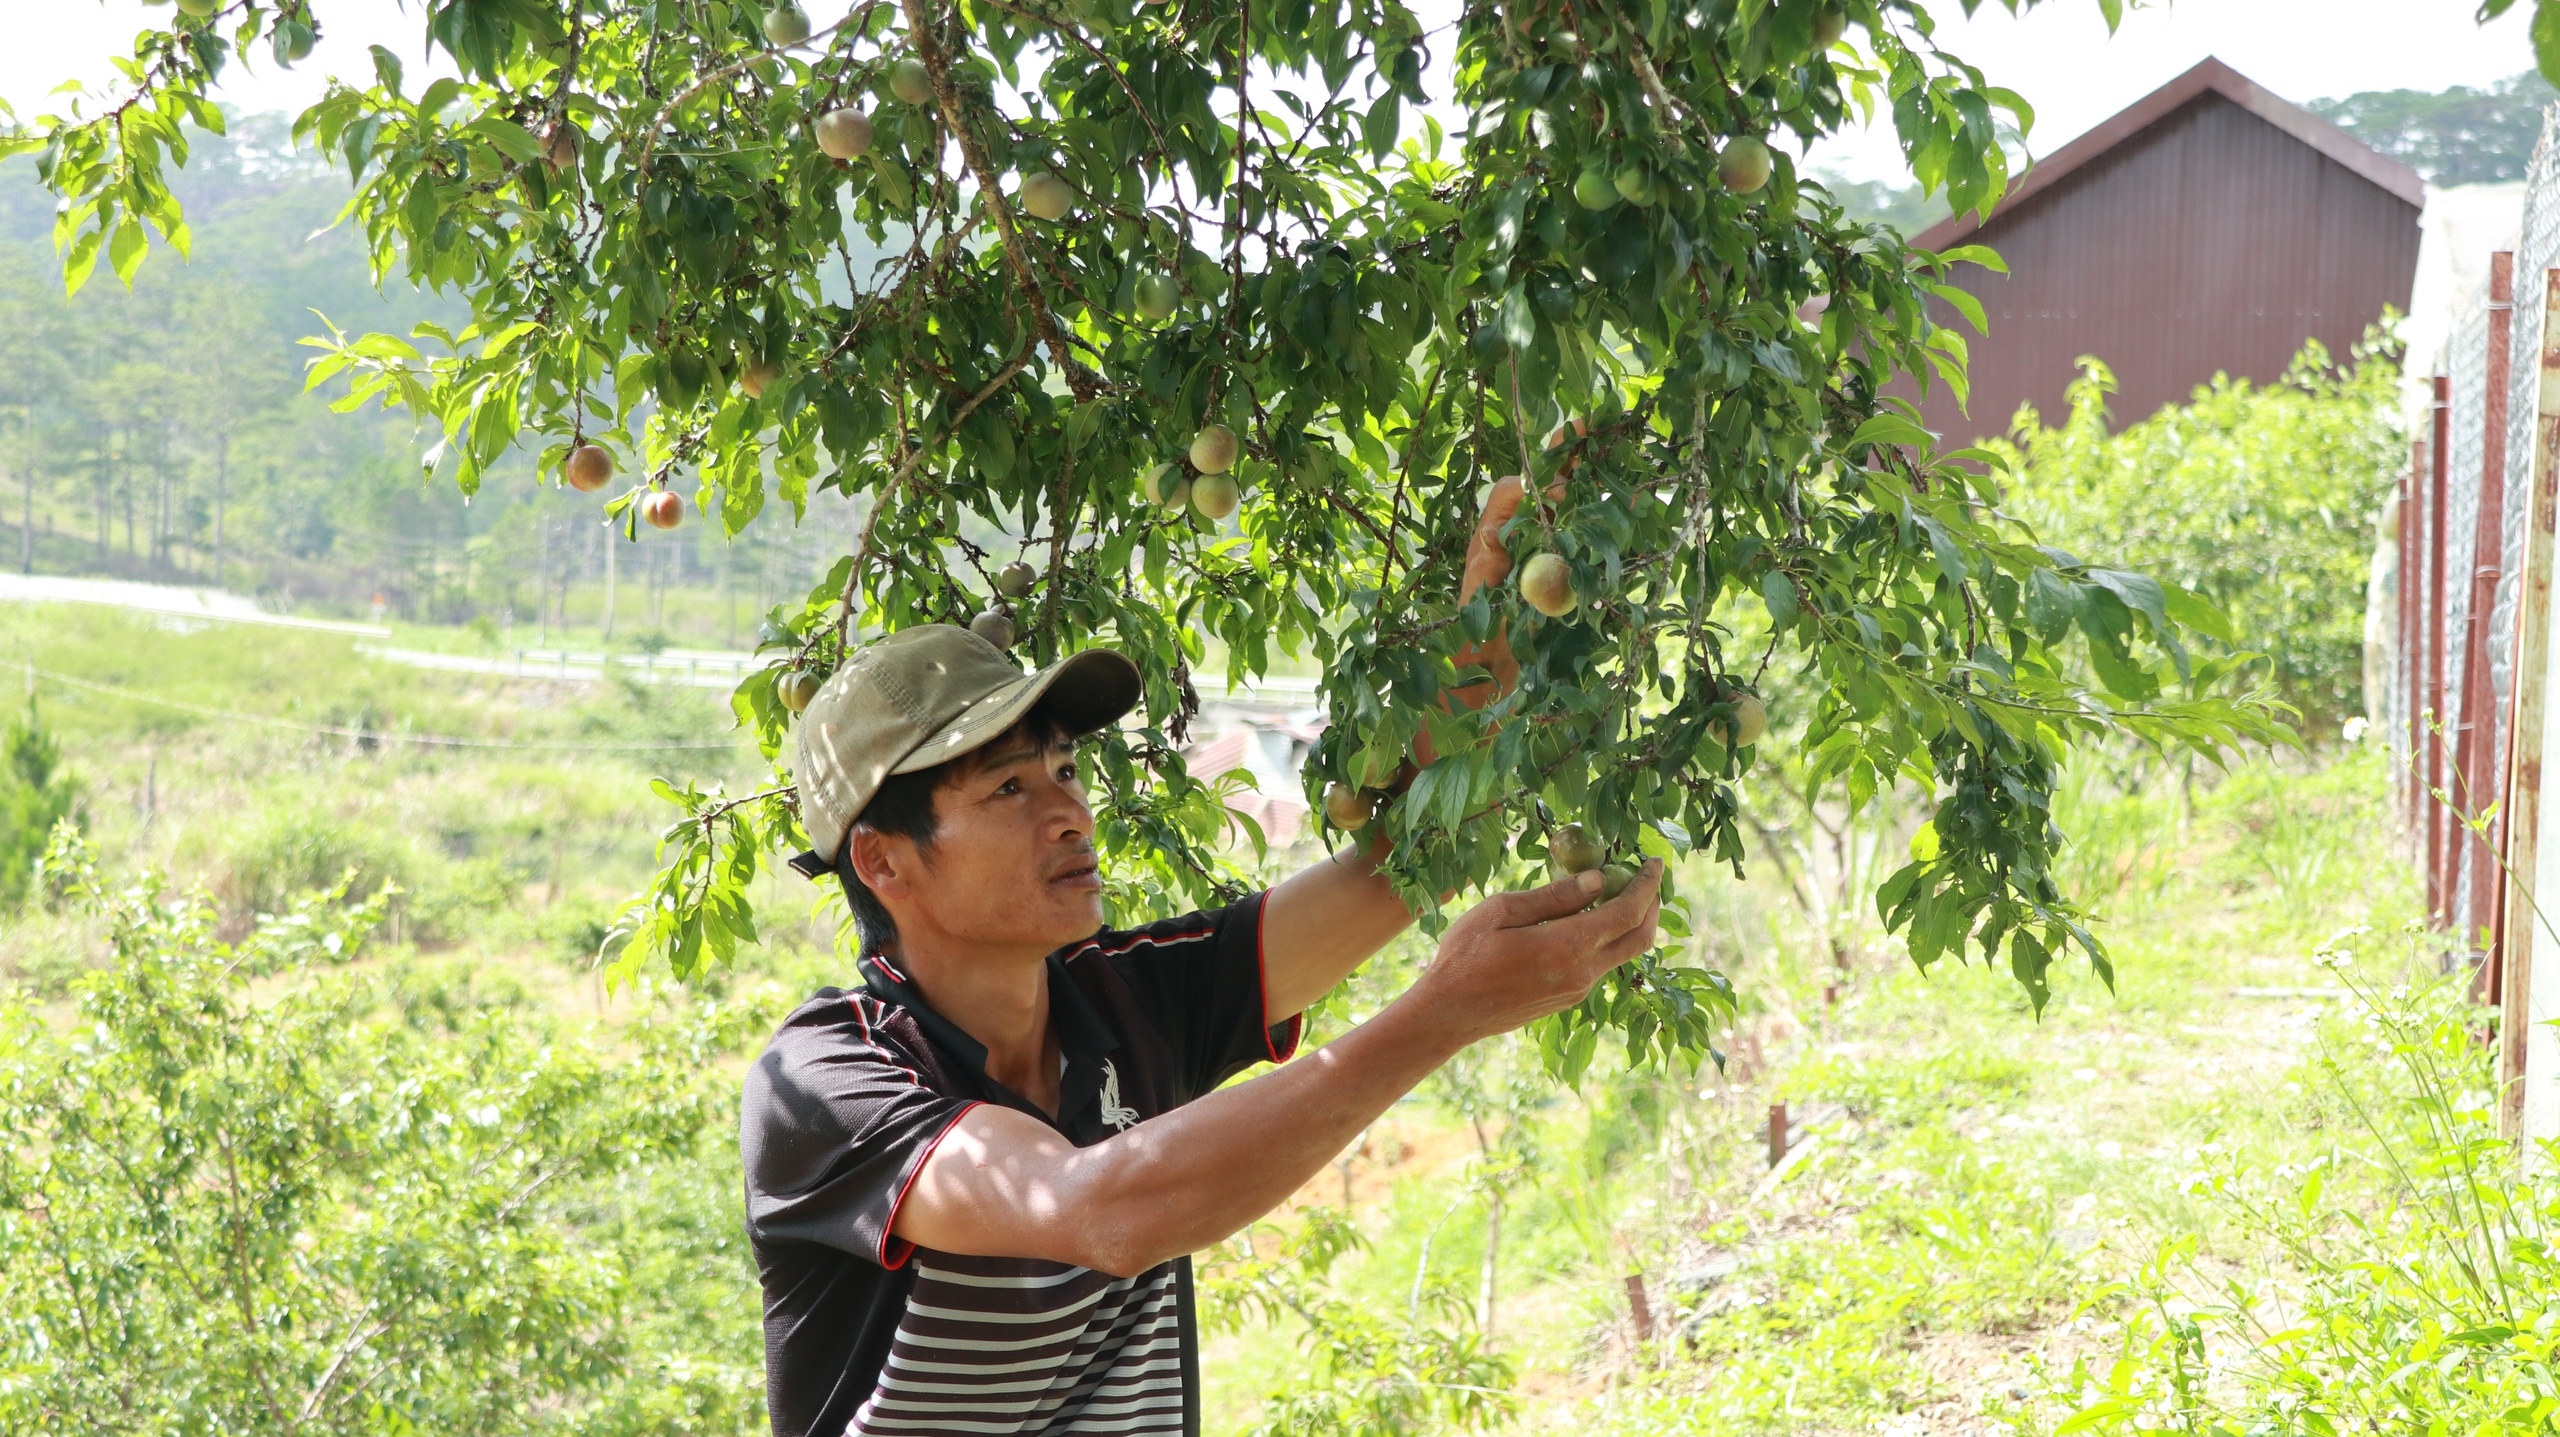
x=2059 y=56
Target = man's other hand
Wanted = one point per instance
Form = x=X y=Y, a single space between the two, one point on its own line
x=1517 y=957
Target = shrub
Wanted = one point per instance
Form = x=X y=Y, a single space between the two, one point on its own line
x=2262 y=498
x=35 y=794
x=290 y=1208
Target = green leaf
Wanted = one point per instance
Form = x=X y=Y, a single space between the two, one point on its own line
x=1890 y=427
x=510 y=137
x=126 y=249
x=1779 y=593
x=1982 y=255
x=2546 y=39
x=1964 y=304
x=2193 y=611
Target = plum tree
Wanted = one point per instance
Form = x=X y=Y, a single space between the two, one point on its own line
x=1392 y=306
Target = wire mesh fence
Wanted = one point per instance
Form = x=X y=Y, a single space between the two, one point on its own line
x=2474 y=447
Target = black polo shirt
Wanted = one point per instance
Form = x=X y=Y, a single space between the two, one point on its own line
x=866 y=1334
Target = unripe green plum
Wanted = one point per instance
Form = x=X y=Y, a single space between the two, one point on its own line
x=1047 y=196
x=1571 y=849
x=1593 y=189
x=844 y=134
x=1546 y=581
x=1750 y=721
x=1345 y=807
x=1157 y=296
x=911 y=82
x=993 y=626
x=786 y=24
x=1216 y=497
x=1745 y=165
x=1015 y=579
x=1166 y=485
x=795 y=689
x=1214 y=449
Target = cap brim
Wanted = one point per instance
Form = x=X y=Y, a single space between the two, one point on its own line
x=1084 y=692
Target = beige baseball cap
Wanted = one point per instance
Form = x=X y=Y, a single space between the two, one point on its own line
x=924 y=696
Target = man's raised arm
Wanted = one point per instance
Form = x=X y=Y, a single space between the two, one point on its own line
x=1004 y=1185
x=1336 y=914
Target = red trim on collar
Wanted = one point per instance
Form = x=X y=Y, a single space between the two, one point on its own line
x=883 y=965
x=855 y=1001
x=1092 y=947
x=888 y=1229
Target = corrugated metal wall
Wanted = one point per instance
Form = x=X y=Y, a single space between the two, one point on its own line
x=2210 y=241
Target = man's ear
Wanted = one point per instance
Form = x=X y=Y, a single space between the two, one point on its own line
x=886 y=863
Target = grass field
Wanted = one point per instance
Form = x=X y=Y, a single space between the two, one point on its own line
x=1936 y=1254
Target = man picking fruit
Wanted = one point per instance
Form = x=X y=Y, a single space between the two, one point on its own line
x=972 y=1182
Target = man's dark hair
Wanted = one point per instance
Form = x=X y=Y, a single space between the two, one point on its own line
x=904 y=807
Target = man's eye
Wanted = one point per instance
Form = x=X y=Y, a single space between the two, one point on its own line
x=1067 y=772
x=1010 y=786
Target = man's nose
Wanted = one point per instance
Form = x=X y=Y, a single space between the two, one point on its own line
x=1069 y=815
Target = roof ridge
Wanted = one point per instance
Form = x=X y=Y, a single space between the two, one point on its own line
x=2209 y=75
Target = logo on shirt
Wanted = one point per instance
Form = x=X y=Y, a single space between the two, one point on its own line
x=1118 y=1116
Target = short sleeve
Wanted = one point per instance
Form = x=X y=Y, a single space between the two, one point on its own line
x=835 y=1123
x=1198 y=978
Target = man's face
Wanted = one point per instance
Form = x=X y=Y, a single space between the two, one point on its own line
x=1012 y=862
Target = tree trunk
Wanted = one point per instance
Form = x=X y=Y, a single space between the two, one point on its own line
x=1492 y=1259
x=612 y=561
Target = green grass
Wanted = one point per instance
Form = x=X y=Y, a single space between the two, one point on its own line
x=200 y=749
x=1976 y=1170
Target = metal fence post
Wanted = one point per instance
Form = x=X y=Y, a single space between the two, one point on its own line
x=2531 y=712
x=2407 y=646
x=2439 y=884
x=2476 y=749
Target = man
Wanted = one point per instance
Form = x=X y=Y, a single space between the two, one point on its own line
x=973 y=1183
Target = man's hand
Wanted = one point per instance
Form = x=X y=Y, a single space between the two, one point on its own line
x=1004 y=1184
x=1488 y=562
x=1516 y=957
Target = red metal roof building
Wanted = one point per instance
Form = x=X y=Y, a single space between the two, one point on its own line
x=2210 y=228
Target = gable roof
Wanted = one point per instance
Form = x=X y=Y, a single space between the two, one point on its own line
x=2211 y=75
